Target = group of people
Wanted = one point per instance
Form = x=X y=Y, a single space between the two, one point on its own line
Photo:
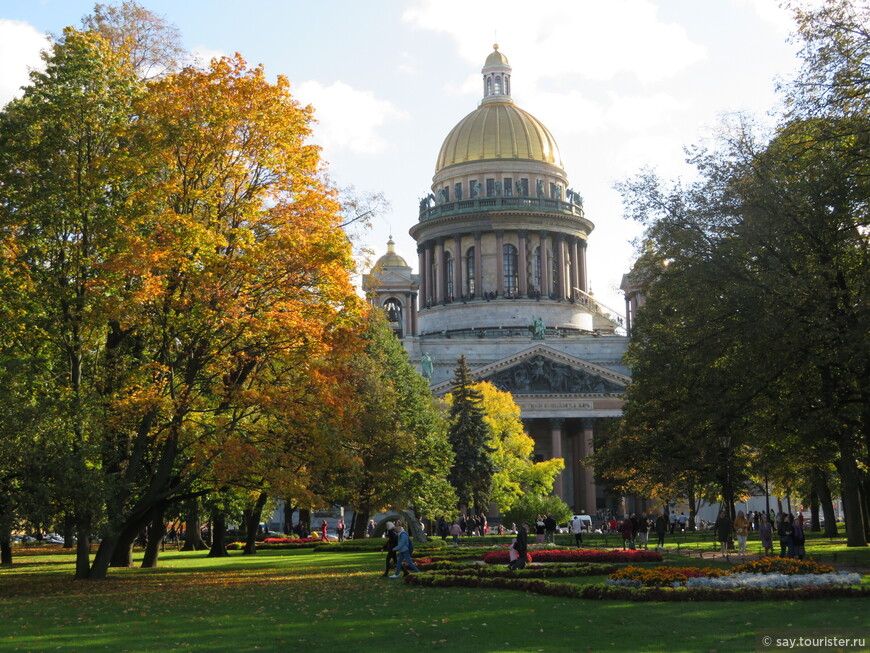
x=786 y=527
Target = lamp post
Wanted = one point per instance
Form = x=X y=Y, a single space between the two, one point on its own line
x=728 y=493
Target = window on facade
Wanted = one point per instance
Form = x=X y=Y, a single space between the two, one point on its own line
x=498 y=85
x=448 y=274
x=474 y=188
x=553 y=192
x=510 y=270
x=469 y=272
x=536 y=269
x=508 y=187
x=507 y=85
x=457 y=191
x=490 y=187
x=523 y=187
x=447 y=193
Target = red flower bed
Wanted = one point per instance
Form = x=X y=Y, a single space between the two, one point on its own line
x=576 y=555
x=290 y=540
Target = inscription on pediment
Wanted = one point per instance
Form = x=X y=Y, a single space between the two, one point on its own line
x=541 y=375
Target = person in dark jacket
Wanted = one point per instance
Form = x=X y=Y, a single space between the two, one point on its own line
x=723 y=531
x=661 y=529
x=627 y=530
x=390 y=546
x=786 y=541
x=550 y=529
x=522 y=546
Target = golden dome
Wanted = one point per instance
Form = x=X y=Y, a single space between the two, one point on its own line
x=391 y=259
x=498 y=130
x=496 y=57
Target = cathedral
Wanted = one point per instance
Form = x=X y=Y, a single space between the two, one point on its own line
x=501 y=243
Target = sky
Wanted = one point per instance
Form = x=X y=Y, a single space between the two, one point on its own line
x=621 y=84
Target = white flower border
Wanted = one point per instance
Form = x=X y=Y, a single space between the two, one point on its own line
x=772 y=580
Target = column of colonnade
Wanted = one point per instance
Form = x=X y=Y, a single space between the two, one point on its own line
x=568 y=254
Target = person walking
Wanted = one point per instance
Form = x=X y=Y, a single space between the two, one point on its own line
x=661 y=529
x=390 y=546
x=577 y=529
x=627 y=529
x=642 y=532
x=522 y=546
x=404 y=549
x=798 y=539
x=550 y=529
x=339 y=530
x=765 y=532
x=741 y=529
x=723 y=531
x=324 y=531
x=539 y=530
x=785 y=530
x=455 y=531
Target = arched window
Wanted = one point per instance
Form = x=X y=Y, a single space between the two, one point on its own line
x=393 y=309
x=488 y=86
x=469 y=272
x=448 y=274
x=536 y=269
x=497 y=85
x=510 y=270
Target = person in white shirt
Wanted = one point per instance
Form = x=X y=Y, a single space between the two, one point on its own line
x=577 y=529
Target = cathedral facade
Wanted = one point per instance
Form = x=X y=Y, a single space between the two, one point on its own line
x=501 y=243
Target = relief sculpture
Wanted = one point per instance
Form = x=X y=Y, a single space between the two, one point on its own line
x=540 y=375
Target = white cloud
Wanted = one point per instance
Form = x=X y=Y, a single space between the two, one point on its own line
x=595 y=40
x=20 y=44
x=347 y=118
x=777 y=17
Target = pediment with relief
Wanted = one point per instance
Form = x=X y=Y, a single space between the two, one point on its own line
x=542 y=370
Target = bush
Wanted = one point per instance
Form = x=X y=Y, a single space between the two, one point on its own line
x=529 y=506
x=577 y=555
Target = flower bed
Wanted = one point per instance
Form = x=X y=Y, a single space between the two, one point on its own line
x=577 y=555
x=732 y=581
x=771 y=565
x=549 y=571
x=662 y=576
x=281 y=543
x=600 y=591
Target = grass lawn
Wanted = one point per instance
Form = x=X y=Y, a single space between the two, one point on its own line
x=300 y=600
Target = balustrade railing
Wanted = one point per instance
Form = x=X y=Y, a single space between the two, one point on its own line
x=428 y=212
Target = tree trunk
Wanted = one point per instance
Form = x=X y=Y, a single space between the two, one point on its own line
x=360 y=522
x=156 y=533
x=693 y=508
x=252 y=524
x=193 y=530
x=288 y=516
x=83 y=550
x=820 y=485
x=6 y=548
x=815 y=524
x=218 y=536
x=69 y=532
x=305 y=518
x=850 y=486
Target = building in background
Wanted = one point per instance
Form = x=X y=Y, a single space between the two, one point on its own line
x=502 y=241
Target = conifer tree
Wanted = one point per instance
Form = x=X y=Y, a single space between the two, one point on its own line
x=473 y=468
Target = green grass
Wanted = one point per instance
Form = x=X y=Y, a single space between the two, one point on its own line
x=299 y=600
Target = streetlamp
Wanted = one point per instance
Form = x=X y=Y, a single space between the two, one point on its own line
x=725 y=443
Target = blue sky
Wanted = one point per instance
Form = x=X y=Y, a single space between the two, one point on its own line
x=621 y=84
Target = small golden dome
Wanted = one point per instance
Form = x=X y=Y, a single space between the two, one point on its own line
x=391 y=259
x=496 y=57
x=498 y=130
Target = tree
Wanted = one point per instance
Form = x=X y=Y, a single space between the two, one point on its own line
x=527 y=508
x=152 y=45
x=395 y=445
x=184 y=262
x=468 y=433
x=515 y=471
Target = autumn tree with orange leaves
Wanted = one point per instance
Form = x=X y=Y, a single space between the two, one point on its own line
x=172 y=270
